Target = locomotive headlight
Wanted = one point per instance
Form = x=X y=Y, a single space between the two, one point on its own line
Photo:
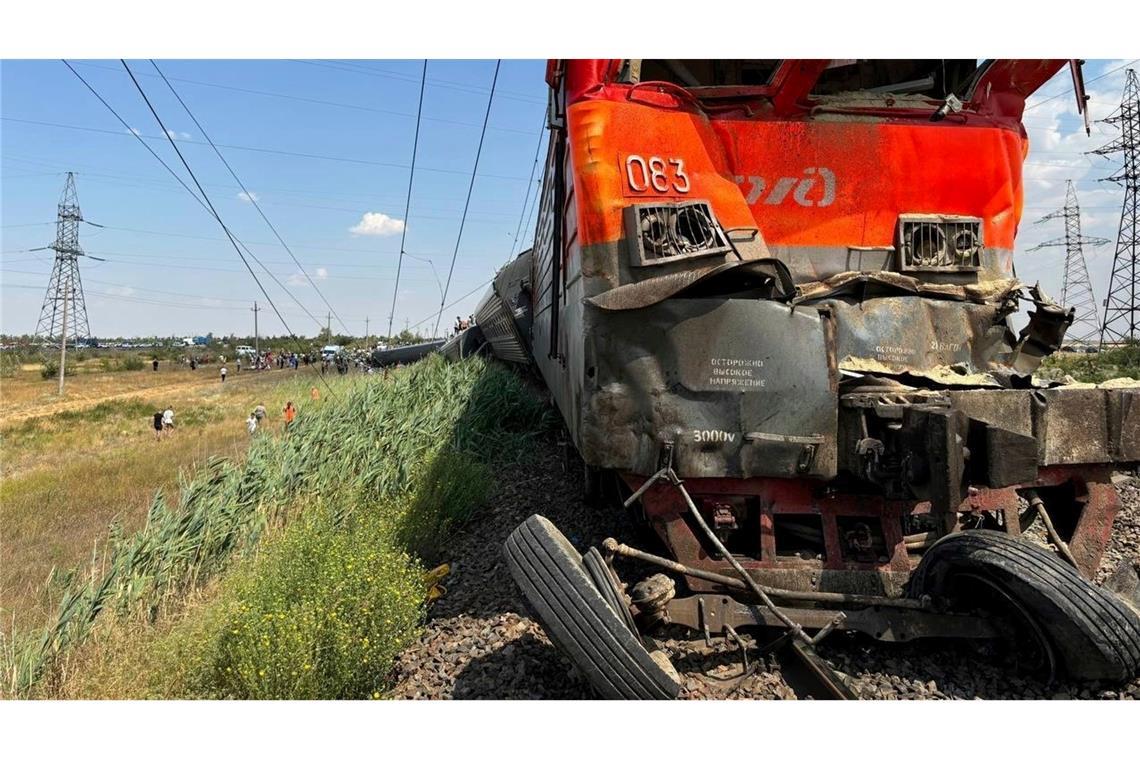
x=939 y=243
x=664 y=232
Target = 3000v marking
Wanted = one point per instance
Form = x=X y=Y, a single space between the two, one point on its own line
x=713 y=436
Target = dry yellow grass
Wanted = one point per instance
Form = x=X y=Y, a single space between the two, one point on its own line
x=71 y=466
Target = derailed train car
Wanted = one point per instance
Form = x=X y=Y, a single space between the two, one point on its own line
x=774 y=299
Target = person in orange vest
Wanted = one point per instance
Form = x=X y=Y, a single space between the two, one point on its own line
x=290 y=414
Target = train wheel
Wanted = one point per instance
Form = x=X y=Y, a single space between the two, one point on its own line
x=1061 y=623
x=579 y=619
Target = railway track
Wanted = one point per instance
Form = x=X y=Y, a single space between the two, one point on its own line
x=481 y=641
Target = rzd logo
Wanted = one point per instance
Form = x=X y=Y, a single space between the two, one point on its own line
x=799 y=188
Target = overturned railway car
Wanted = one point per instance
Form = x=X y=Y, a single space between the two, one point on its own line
x=774 y=299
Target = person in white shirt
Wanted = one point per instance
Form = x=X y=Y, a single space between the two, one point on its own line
x=251 y=424
x=223 y=374
x=168 y=421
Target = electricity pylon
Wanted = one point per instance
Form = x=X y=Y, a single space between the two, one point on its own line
x=64 y=312
x=1076 y=290
x=63 y=316
x=1121 y=307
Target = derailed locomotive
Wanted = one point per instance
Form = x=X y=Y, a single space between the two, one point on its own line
x=774 y=299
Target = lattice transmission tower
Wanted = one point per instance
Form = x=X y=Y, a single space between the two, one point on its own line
x=1121 y=308
x=1076 y=290
x=63 y=317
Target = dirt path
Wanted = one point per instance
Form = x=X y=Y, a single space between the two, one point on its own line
x=481 y=642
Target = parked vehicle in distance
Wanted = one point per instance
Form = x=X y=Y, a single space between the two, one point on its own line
x=249 y=351
x=331 y=352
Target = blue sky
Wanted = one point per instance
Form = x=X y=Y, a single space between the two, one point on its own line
x=158 y=239
x=170 y=270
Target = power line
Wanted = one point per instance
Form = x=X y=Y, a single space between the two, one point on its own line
x=353 y=68
x=206 y=198
x=326 y=195
x=248 y=195
x=470 y=187
x=529 y=190
x=193 y=195
x=408 y=203
x=271 y=151
x=315 y=101
x=1094 y=79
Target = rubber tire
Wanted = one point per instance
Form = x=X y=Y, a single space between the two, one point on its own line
x=572 y=611
x=1095 y=636
x=604 y=581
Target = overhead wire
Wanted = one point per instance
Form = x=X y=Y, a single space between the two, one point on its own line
x=529 y=190
x=304 y=99
x=470 y=188
x=1094 y=79
x=186 y=187
x=215 y=214
x=249 y=196
x=408 y=202
x=254 y=149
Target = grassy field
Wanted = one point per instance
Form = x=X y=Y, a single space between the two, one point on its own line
x=73 y=465
x=1096 y=367
x=294 y=570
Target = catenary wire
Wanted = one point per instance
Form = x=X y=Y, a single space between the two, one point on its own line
x=182 y=182
x=218 y=218
x=249 y=196
x=408 y=202
x=470 y=188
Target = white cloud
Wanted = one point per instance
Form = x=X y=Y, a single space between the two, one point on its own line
x=376 y=223
x=135 y=131
x=121 y=290
x=178 y=135
x=249 y=197
x=299 y=280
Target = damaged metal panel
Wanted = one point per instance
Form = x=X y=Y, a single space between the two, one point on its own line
x=739 y=388
x=1071 y=425
x=948 y=342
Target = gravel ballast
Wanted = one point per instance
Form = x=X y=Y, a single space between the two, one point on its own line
x=480 y=641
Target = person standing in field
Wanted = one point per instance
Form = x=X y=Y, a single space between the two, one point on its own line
x=314 y=394
x=223 y=373
x=290 y=414
x=251 y=424
x=155 y=365
x=157 y=426
x=259 y=412
x=168 y=421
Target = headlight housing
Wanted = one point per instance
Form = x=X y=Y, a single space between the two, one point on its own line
x=660 y=233
x=939 y=243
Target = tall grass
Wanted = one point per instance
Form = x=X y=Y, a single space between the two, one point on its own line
x=383 y=464
x=1122 y=361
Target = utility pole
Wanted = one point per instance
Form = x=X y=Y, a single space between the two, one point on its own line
x=328 y=325
x=63 y=339
x=366 y=331
x=1121 y=308
x=1076 y=290
x=64 y=311
x=256 y=337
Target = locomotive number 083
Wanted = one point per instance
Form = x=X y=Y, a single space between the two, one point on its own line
x=663 y=175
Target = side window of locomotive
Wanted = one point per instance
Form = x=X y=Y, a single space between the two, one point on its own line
x=700 y=72
x=933 y=78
